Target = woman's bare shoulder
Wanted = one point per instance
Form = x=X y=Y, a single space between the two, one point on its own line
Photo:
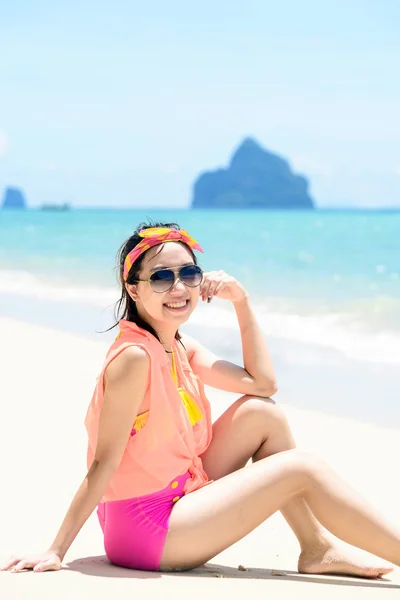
x=128 y=363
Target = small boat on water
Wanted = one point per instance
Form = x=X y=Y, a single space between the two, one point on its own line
x=64 y=206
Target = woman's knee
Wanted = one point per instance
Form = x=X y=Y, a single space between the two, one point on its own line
x=259 y=407
x=307 y=465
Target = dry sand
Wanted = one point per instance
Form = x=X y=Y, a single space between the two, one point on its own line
x=47 y=380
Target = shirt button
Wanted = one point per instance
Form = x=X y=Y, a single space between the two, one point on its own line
x=176 y=499
x=174 y=485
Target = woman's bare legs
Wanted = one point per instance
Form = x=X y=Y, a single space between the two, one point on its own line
x=204 y=523
x=256 y=428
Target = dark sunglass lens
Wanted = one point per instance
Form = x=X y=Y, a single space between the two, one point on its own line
x=191 y=275
x=160 y=281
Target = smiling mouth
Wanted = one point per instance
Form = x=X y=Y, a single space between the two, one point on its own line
x=177 y=305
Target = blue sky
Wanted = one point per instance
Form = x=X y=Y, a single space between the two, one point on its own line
x=124 y=103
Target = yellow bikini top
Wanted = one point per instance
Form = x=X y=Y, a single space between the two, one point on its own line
x=188 y=402
x=192 y=409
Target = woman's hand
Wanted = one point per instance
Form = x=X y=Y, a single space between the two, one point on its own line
x=49 y=561
x=221 y=285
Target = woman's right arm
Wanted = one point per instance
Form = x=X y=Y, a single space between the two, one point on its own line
x=126 y=381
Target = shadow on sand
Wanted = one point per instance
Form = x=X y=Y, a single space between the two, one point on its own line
x=99 y=566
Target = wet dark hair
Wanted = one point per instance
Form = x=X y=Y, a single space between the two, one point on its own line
x=125 y=307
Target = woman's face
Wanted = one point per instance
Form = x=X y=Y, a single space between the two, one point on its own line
x=176 y=304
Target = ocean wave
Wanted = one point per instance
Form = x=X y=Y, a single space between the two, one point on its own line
x=348 y=333
x=27 y=284
x=340 y=332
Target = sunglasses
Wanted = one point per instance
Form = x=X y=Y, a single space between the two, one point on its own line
x=163 y=280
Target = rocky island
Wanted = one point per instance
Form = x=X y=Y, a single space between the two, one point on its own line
x=254 y=179
x=14 y=198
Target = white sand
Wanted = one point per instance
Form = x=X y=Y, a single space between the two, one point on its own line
x=47 y=380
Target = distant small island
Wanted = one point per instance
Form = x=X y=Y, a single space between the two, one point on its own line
x=14 y=198
x=254 y=179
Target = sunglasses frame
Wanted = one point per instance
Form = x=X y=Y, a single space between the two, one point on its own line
x=176 y=271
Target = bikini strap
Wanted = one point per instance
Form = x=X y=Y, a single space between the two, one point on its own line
x=174 y=372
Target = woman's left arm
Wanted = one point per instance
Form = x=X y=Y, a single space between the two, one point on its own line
x=256 y=357
x=257 y=377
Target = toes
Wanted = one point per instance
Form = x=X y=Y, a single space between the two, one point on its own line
x=375 y=572
x=330 y=565
x=385 y=570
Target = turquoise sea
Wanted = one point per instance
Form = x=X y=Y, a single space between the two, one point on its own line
x=330 y=278
x=325 y=286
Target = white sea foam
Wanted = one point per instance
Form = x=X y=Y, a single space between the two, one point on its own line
x=340 y=332
x=346 y=333
x=27 y=284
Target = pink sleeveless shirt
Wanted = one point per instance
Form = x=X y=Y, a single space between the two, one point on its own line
x=168 y=445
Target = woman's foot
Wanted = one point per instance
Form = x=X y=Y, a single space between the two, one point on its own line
x=330 y=559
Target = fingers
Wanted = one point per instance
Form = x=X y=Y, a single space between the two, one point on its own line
x=213 y=286
x=17 y=564
x=14 y=563
x=13 y=560
x=21 y=565
x=210 y=284
x=219 y=287
x=222 y=285
x=46 y=565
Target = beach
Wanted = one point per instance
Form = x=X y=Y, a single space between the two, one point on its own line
x=268 y=135
x=48 y=376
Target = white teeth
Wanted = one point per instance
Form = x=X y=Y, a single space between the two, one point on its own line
x=176 y=304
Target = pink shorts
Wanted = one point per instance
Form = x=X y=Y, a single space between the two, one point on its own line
x=135 y=529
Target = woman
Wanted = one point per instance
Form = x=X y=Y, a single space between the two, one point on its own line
x=170 y=488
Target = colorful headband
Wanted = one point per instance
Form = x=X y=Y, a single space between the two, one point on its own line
x=154 y=236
